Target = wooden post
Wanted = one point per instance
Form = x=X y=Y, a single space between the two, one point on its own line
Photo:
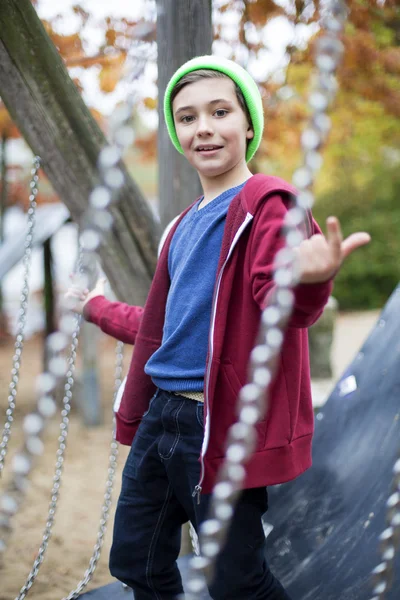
x=90 y=395
x=184 y=30
x=89 y=400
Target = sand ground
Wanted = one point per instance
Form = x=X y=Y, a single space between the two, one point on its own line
x=84 y=478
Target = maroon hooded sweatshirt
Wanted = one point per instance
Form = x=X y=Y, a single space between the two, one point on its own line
x=244 y=282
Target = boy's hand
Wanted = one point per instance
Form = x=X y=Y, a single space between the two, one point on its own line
x=320 y=258
x=77 y=297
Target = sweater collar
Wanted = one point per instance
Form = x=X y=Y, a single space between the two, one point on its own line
x=248 y=201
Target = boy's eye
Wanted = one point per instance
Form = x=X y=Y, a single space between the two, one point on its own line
x=221 y=112
x=187 y=119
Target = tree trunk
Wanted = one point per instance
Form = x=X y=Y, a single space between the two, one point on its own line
x=49 y=111
x=184 y=30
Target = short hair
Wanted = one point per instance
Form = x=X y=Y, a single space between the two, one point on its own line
x=200 y=74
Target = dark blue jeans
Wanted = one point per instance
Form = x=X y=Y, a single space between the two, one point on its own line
x=159 y=477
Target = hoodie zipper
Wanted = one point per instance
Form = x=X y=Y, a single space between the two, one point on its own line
x=198 y=488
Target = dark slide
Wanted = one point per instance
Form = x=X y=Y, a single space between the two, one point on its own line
x=324 y=544
x=324 y=541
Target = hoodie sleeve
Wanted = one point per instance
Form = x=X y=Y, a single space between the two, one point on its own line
x=266 y=239
x=117 y=319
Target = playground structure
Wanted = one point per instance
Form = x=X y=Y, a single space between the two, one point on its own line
x=49 y=219
x=326 y=497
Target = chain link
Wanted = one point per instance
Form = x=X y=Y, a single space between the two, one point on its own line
x=389 y=540
x=62 y=439
x=20 y=337
x=105 y=510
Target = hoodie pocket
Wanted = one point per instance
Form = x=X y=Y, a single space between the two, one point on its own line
x=232 y=380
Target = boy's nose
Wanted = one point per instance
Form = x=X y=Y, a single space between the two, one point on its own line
x=204 y=127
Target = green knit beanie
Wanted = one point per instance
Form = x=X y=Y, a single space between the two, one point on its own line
x=245 y=82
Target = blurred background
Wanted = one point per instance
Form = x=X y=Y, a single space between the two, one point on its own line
x=359 y=182
x=360 y=177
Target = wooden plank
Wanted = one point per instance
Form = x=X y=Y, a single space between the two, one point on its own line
x=49 y=219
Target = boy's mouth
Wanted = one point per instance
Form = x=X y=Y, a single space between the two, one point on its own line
x=208 y=149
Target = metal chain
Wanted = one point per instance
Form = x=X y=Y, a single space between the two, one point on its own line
x=97 y=221
x=105 y=510
x=389 y=540
x=20 y=336
x=253 y=397
x=55 y=492
x=194 y=539
x=34 y=426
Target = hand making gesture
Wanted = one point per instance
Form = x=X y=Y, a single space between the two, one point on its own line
x=320 y=258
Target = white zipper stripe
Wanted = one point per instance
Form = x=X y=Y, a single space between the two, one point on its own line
x=206 y=438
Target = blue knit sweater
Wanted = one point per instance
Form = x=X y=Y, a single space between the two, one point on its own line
x=179 y=364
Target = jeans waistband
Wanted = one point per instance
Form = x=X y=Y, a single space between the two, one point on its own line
x=199 y=396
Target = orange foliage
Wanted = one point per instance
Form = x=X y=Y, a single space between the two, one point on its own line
x=147 y=146
x=111 y=73
x=391 y=60
x=260 y=12
x=366 y=67
x=371 y=62
x=111 y=37
x=78 y=10
x=104 y=60
x=225 y=7
x=150 y=103
x=65 y=44
x=8 y=129
x=360 y=15
x=118 y=36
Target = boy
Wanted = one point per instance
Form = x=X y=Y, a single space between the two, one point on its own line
x=193 y=340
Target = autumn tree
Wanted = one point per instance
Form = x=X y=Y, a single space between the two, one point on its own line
x=359 y=178
x=368 y=75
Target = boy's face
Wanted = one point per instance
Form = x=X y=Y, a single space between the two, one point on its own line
x=211 y=126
